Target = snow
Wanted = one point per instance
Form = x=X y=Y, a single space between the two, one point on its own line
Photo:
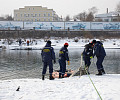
x=73 y=88
x=38 y=44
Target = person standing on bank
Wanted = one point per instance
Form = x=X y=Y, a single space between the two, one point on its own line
x=48 y=55
x=20 y=42
x=100 y=53
x=87 y=55
x=63 y=57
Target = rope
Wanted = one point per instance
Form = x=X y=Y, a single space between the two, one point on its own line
x=92 y=82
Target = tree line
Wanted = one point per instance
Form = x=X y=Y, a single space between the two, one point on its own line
x=90 y=14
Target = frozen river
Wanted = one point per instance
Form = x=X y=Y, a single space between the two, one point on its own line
x=28 y=64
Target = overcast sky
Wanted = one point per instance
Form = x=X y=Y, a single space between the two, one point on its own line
x=61 y=7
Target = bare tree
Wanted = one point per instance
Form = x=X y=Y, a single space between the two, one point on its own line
x=87 y=16
x=8 y=17
x=81 y=16
x=118 y=10
x=118 y=7
x=67 y=18
x=90 y=17
x=93 y=10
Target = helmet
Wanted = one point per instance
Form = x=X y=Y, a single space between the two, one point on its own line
x=94 y=41
x=49 y=42
x=66 y=44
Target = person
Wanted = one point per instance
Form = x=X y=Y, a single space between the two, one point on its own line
x=100 y=53
x=63 y=57
x=87 y=55
x=27 y=42
x=20 y=42
x=48 y=55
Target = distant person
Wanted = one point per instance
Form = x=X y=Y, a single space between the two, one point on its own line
x=100 y=53
x=48 y=55
x=87 y=55
x=20 y=42
x=63 y=57
x=28 y=42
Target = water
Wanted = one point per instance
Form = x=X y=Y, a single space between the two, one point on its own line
x=28 y=64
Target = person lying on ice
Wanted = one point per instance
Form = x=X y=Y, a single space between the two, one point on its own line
x=63 y=56
x=100 y=53
x=48 y=55
x=87 y=55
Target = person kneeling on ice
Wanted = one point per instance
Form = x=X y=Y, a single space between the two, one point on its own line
x=87 y=55
x=48 y=55
x=63 y=56
x=100 y=53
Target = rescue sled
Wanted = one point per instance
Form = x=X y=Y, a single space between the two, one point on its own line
x=68 y=73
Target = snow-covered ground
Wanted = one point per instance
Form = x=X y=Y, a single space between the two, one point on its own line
x=73 y=88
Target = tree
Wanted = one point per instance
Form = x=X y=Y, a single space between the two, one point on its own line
x=118 y=10
x=93 y=10
x=90 y=17
x=67 y=18
x=8 y=17
x=87 y=16
x=81 y=16
x=118 y=7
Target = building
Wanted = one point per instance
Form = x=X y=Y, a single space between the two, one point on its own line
x=35 y=13
x=108 y=17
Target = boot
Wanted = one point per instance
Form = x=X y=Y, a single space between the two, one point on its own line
x=43 y=77
x=60 y=75
x=99 y=72
x=51 y=77
x=103 y=71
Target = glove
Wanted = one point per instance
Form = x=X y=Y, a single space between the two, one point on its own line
x=54 y=61
x=91 y=56
x=68 y=62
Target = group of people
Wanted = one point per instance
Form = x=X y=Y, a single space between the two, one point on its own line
x=48 y=56
x=95 y=48
x=20 y=42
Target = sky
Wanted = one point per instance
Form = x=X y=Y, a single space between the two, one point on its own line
x=61 y=7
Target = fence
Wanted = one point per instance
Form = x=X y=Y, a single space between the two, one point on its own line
x=19 y=25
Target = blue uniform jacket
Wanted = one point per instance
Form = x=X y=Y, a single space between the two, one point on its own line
x=99 y=49
x=88 y=51
x=63 y=54
x=48 y=53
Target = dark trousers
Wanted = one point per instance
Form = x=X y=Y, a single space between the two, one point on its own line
x=99 y=62
x=62 y=64
x=45 y=64
x=87 y=61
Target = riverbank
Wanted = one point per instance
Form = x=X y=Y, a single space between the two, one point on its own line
x=74 y=88
x=57 y=43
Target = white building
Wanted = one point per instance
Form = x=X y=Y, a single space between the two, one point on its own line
x=108 y=17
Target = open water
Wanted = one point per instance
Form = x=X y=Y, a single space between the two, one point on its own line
x=16 y=64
